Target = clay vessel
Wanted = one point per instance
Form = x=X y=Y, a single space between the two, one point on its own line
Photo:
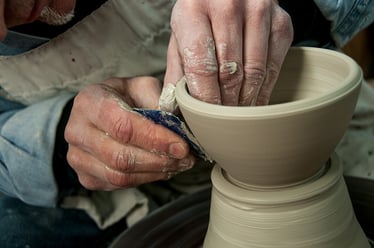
x=315 y=214
x=290 y=139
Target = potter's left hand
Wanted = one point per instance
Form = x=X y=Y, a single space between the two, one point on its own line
x=231 y=52
x=111 y=146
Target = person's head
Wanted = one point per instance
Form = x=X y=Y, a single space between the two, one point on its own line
x=17 y=12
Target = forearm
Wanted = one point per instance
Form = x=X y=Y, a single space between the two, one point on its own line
x=347 y=17
x=27 y=142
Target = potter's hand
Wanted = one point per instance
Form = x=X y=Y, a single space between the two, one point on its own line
x=230 y=51
x=112 y=147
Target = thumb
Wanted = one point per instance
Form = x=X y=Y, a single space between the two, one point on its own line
x=174 y=73
x=144 y=91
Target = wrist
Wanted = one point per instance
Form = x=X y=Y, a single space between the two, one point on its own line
x=65 y=176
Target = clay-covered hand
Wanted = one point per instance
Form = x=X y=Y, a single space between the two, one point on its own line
x=231 y=51
x=112 y=147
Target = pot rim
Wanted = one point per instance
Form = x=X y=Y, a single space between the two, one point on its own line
x=348 y=85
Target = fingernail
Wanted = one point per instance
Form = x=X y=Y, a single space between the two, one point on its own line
x=177 y=150
x=185 y=164
x=167 y=101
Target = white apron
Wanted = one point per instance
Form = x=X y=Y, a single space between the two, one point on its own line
x=120 y=39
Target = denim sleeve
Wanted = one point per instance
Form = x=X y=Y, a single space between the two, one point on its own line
x=347 y=17
x=27 y=139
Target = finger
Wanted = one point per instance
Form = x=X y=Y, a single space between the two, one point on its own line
x=174 y=65
x=128 y=180
x=95 y=175
x=280 y=41
x=131 y=128
x=227 y=26
x=127 y=158
x=256 y=39
x=174 y=72
x=144 y=98
x=90 y=171
x=109 y=113
x=192 y=30
x=117 y=180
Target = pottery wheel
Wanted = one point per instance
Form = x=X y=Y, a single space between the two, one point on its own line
x=182 y=223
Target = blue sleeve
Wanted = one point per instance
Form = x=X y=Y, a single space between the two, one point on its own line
x=347 y=17
x=27 y=140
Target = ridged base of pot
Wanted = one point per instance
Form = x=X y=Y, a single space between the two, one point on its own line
x=315 y=214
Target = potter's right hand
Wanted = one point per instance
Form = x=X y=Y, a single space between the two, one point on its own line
x=111 y=147
x=231 y=52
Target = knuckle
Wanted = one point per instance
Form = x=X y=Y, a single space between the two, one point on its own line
x=72 y=138
x=73 y=159
x=173 y=22
x=272 y=72
x=68 y=134
x=123 y=128
x=254 y=73
x=204 y=67
x=231 y=8
x=124 y=160
x=82 y=99
x=266 y=90
x=201 y=59
x=262 y=8
x=79 y=99
x=88 y=183
x=283 y=26
x=123 y=180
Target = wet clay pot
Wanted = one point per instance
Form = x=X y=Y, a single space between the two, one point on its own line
x=315 y=214
x=290 y=139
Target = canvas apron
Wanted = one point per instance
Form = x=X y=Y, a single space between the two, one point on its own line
x=120 y=39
